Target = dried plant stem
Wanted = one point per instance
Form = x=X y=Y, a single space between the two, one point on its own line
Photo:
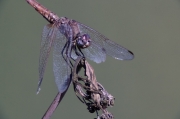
x=53 y=105
x=87 y=89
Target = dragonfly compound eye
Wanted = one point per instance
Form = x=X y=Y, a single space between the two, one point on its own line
x=84 y=41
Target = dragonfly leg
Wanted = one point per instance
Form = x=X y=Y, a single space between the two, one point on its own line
x=81 y=52
x=76 y=51
x=67 y=53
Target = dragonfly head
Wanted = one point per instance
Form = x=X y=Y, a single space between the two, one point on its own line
x=84 y=41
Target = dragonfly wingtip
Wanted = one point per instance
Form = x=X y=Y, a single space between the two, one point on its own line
x=131 y=55
x=38 y=91
x=130 y=52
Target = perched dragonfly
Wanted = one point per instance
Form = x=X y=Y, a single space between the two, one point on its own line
x=69 y=40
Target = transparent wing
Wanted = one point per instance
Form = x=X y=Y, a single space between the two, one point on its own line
x=61 y=69
x=109 y=47
x=73 y=55
x=46 y=44
x=94 y=53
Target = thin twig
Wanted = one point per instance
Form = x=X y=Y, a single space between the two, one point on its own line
x=53 y=105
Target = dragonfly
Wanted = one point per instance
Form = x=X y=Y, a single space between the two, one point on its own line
x=70 y=39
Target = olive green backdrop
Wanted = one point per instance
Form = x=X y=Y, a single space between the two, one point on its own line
x=147 y=87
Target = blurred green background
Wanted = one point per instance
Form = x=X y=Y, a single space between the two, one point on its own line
x=147 y=87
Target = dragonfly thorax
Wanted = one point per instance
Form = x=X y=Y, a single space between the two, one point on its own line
x=63 y=20
x=83 y=41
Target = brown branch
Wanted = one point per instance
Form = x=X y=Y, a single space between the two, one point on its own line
x=53 y=105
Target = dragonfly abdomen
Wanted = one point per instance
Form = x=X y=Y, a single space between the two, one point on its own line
x=47 y=14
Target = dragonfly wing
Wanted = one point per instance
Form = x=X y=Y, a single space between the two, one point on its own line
x=46 y=44
x=94 y=53
x=73 y=54
x=109 y=47
x=61 y=69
